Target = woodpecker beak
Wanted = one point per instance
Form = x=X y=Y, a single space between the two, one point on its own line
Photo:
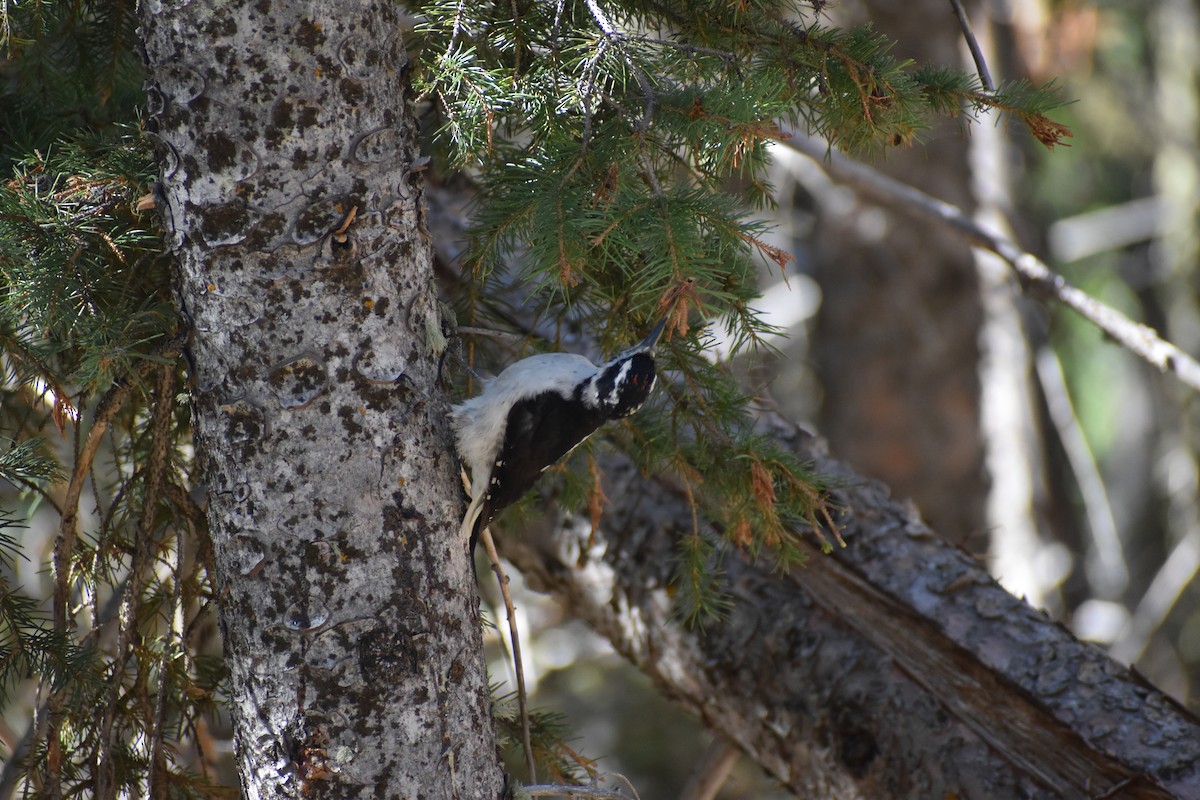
x=651 y=341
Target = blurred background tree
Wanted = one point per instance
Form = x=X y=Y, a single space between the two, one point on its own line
x=1016 y=429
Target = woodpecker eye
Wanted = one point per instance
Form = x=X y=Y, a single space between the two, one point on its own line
x=625 y=385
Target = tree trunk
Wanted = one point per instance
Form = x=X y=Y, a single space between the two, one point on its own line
x=897 y=336
x=895 y=668
x=292 y=204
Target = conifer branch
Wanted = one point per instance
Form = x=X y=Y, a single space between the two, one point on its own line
x=106 y=411
x=127 y=629
x=1032 y=273
x=617 y=39
x=64 y=545
x=15 y=765
x=727 y=56
x=507 y=336
x=13 y=769
x=174 y=645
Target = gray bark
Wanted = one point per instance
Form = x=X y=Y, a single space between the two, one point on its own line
x=895 y=668
x=347 y=601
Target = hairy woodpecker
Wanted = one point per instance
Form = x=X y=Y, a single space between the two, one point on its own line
x=534 y=413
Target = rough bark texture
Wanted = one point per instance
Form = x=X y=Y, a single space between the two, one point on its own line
x=350 y=626
x=895 y=668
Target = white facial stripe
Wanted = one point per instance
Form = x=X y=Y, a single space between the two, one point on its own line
x=619 y=382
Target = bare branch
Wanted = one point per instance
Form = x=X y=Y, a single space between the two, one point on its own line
x=518 y=662
x=556 y=790
x=985 y=77
x=506 y=336
x=1166 y=589
x=1135 y=337
x=712 y=770
x=1106 y=567
x=106 y=411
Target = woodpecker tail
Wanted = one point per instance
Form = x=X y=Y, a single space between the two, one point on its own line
x=475 y=533
x=473 y=523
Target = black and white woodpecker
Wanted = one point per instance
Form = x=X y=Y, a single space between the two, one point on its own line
x=535 y=412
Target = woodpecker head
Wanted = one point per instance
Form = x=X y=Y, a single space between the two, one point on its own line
x=621 y=386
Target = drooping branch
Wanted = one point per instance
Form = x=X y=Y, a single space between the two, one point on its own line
x=985 y=77
x=894 y=668
x=1033 y=273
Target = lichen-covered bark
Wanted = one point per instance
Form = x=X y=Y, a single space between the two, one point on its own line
x=895 y=668
x=292 y=202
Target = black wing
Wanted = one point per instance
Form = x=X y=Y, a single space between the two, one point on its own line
x=540 y=430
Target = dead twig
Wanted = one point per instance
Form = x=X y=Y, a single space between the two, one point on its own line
x=518 y=664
